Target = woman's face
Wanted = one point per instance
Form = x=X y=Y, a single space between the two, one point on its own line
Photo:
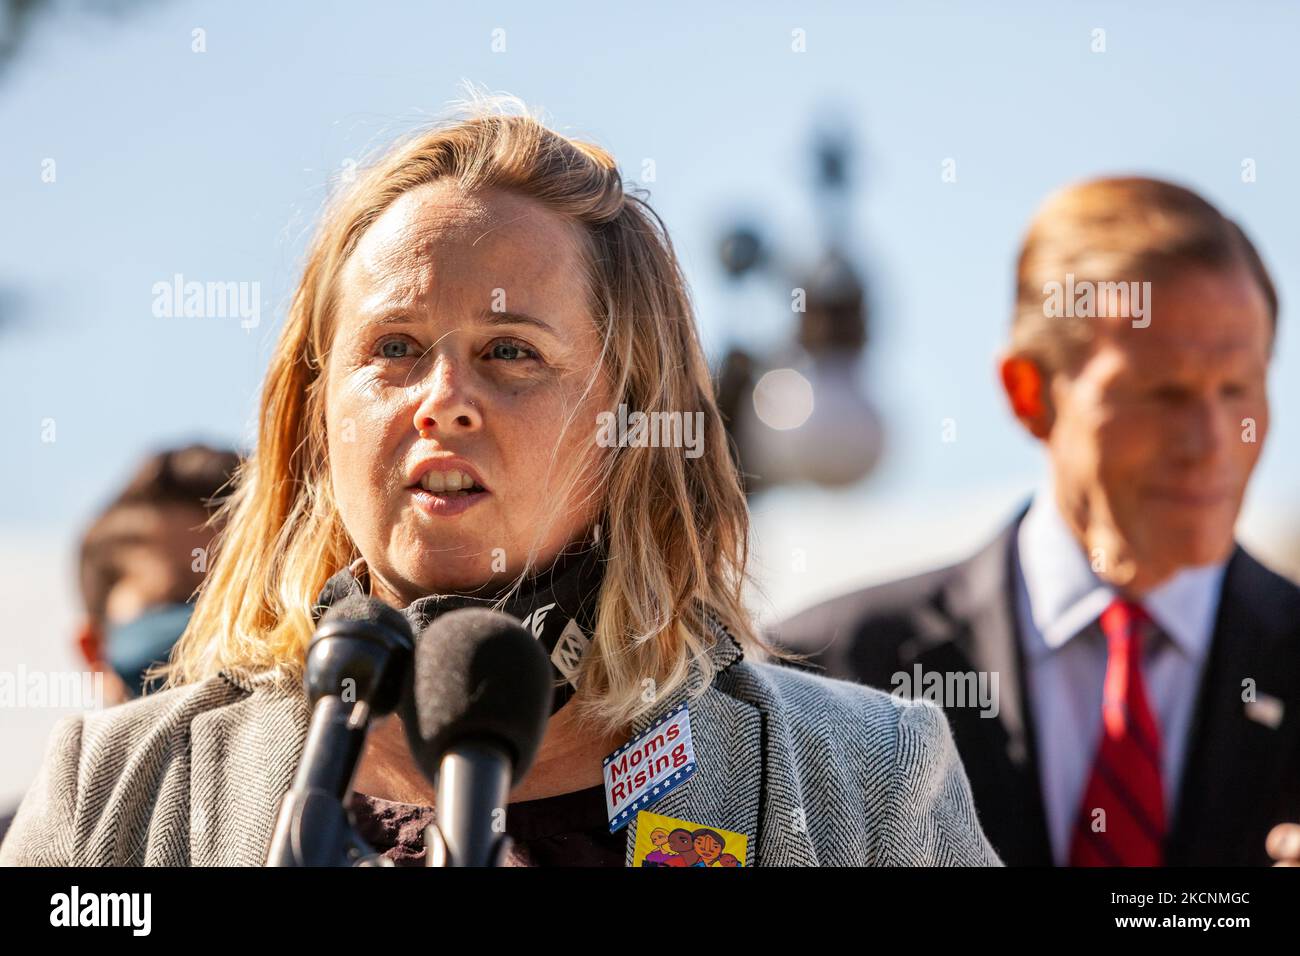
x=463 y=345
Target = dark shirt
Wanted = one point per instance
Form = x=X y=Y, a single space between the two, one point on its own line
x=567 y=830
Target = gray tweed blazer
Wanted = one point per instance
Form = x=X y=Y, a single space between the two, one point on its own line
x=816 y=772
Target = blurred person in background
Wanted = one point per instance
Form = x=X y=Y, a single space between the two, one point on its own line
x=142 y=560
x=1148 y=701
x=140 y=563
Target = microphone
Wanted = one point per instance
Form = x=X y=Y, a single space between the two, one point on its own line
x=480 y=698
x=357 y=666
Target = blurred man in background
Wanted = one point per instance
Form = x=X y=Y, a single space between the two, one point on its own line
x=1148 y=692
x=141 y=561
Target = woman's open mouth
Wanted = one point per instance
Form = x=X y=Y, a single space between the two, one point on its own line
x=445 y=493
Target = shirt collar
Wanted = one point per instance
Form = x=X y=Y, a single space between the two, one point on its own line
x=1065 y=595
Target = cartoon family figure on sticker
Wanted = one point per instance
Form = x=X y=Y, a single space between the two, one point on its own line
x=666 y=841
x=680 y=847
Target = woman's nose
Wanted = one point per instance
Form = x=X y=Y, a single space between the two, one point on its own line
x=445 y=407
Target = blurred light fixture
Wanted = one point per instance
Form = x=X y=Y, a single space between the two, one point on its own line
x=810 y=424
x=783 y=399
x=801 y=413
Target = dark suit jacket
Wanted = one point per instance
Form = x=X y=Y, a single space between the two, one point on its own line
x=1240 y=776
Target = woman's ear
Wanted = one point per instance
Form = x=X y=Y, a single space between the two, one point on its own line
x=1026 y=388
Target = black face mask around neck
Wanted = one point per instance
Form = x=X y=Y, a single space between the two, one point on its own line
x=557 y=606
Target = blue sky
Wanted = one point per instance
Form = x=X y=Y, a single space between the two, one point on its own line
x=214 y=164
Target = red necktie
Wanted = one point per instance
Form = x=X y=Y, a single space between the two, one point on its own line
x=1125 y=778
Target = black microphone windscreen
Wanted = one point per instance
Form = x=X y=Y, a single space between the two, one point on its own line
x=358 y=607
x=478 y=674
x=362 y=647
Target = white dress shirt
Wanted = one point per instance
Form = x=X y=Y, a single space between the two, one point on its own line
x=1059 y=600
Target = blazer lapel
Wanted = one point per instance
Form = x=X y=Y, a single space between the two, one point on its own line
x=1233 y=771
x=981 y=632
x=983 y=595
x=726 y=789
x=724 y=793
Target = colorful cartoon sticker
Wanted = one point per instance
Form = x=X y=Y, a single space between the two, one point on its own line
x=665 y=841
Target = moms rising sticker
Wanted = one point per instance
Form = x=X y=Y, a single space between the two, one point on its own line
x=649 y=767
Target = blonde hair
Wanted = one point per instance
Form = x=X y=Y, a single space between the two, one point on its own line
x=1117 y=229
x=676 y=532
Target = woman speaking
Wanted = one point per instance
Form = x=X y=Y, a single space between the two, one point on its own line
x=476 y=309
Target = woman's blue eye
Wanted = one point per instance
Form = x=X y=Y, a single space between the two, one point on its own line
x=510 y=352
x=394 y=348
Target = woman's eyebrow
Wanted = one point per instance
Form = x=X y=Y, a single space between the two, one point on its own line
x=487 y=316
x=492 y=317
x=389 y=317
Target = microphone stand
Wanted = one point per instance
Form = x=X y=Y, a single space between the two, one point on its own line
x=313 y=827
x=358 y=664
x=475 y=773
